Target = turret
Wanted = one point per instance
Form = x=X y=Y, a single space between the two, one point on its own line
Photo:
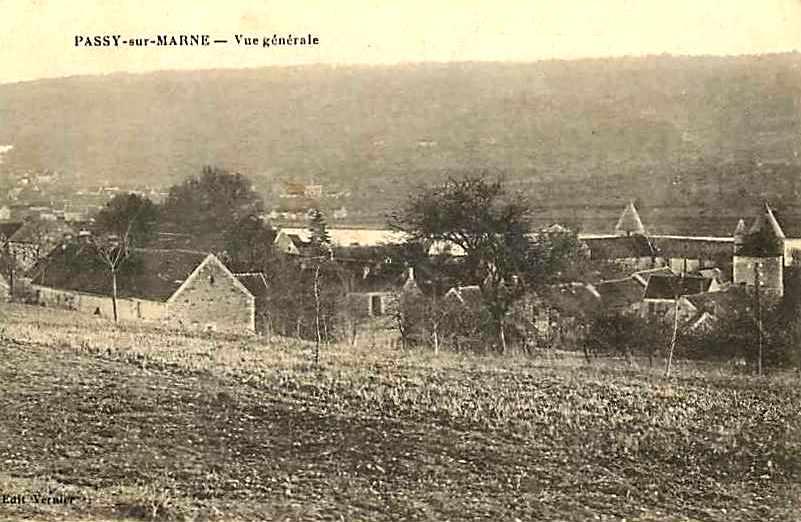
x=758 y=260
x=629 y=222
x=739 y=237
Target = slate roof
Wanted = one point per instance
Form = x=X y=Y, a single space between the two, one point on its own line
x=255 y=282
x=643 y=276
x=469 y=295
x=765 y=237
x=767 y=221
x=667 y=287
x=572 y=300
x=8 y=229
x=38 y=230
x=621 y=247
x=630 y=222
x=620 y=293
x=152 y=274
x=721 y=304
x=694 y=248
x=386 y=278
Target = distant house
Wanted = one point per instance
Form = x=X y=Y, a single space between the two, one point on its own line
x=36 y=239
x=693 y=254
x=178 y=288
x=290 y=244
x=345 y=237
x=705 y=310
x=313 y=191
x=566 y=309
x=643 y=276
x=759 y=254
x=6 y=231
x=623 y=295
x=376 y=293
x=633 y=252
x=663 y=291
x=469 y=295
x=5 y=213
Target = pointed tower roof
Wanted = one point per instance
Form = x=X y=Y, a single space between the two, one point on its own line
x=766 y=222
x=765 y=238
x=739 y=232
x=773 y=222
x=630 y=222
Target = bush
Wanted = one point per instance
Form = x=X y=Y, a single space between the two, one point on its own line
x=626 y=335
x=440 y=322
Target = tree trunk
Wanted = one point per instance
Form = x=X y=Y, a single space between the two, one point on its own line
x=114 y=294
x=11 y=271
x=317 y=313
x=673 y=337
x=757 y=284
x=502 y=336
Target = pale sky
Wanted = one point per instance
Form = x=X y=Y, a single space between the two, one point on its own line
x=37 y=36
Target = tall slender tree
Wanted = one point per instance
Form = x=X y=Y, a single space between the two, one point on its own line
x=126 y=222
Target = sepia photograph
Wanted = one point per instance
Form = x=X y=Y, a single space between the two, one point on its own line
x=509 y=260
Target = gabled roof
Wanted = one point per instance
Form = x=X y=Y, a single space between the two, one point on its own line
x=293 y=244
x=715 y=274
x=669 y=286
x=630 y=222
x=620 y=247
x=620 y=293
x=42 y=230
x=8 y=229
x=643 y=276
x=723 y=304
x=572 y=299
x=384 y=278
x=469 y=295
x=693 y=248
x=151 y=274
x=255 y=282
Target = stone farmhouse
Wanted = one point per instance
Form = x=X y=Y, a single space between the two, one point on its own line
x=181 y=289
x=36 y=239
x=375 y=293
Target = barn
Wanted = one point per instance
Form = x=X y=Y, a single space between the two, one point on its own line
x=179 y=288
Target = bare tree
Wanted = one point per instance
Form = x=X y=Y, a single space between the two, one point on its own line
x=127 y=220
x=112 y=251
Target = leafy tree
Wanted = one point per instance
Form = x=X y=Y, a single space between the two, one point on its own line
x=616 y=333
x=130 y=216
x=212 y=203
x=558 y=255
x=249 y=245
x=488 y=224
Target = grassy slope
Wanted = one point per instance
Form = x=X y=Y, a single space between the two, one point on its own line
x=144 y=424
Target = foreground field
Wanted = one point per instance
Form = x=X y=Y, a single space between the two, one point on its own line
x=141 y=424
